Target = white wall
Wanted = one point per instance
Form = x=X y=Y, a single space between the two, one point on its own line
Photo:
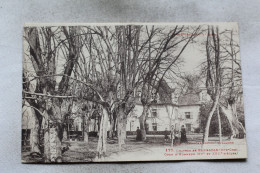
x=194 y=110
x=165 y=113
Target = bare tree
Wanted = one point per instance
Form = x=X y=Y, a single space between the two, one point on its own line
x=43 y=48
x=213 y=80
x=230 y=85
x=232 y=93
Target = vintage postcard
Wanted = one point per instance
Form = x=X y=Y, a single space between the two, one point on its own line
x=132 y=92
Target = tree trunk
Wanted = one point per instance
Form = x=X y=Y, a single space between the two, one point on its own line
x=52 y=135
x=65 y=134
x=52 y=145
x=34 y=136
x=86 y=137
x=86 y=130
x=213 y=108
x=55 y=145
x=235 y=125
x=83 y=127
x=101 y=149
x=47 y=156
x=240 y=128
x=121 y=128
x=219 y=125
x=228 y=113
x=111 y=131
x=142 y=122
x=112 y=126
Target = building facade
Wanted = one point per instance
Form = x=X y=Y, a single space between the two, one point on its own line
x=161 y=117
x=169 y=111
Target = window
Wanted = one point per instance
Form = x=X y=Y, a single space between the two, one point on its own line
x=154 y=113
x=188 y=127
x=154 y=126
x=132 y=122
x=187 y=115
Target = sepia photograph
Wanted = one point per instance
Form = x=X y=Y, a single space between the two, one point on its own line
x=132 y=92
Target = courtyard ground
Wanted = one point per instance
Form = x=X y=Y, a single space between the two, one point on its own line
x=154 y=147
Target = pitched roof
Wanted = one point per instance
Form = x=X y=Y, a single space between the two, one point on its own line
x=189 y=99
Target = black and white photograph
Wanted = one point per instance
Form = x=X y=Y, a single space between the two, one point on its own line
x=131 y=92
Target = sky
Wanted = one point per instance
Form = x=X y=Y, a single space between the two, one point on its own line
x=192 y=57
